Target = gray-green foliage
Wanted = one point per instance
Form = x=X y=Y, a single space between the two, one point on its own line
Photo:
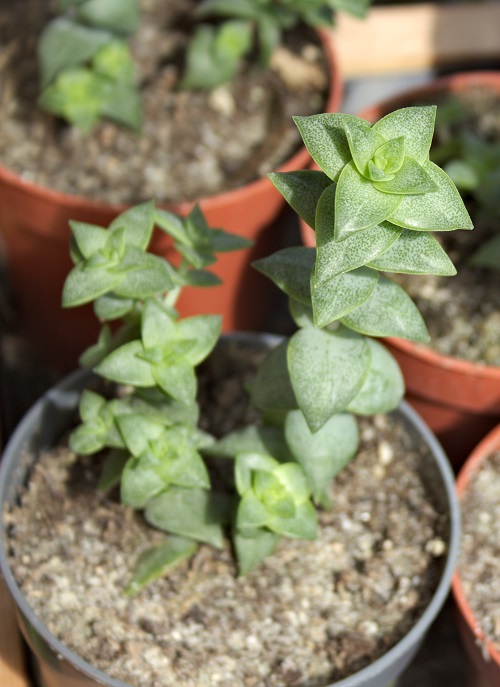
x=250 y=27
x=85 y=63
x=374 y=205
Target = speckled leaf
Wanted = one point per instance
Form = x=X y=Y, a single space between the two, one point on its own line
x=415 y=253
x=157 y=327
x=178 y=380
x=363 y=141
x=152 y=275
x=359 y=205
x=384 y=387
x=272 y=388
x=388 y=312
x=84 y=285
x=192 y=513
x=290 y=269
x=416 y=124
x=89 y=237
x=302 y=190
x=322 y=454
x=335 y=297
x=326 y=141
x=411 y=178
x=204 y=330
x=390 y=155
x=327 y=369
x=125 y=365
x=441 y=210
x=154 y=562
x=138 y=222
x=356 y=250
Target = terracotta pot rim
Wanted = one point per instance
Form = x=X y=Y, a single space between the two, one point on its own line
x=446 y=362
x=299 y=159
x=490 y=443
x=455 y=82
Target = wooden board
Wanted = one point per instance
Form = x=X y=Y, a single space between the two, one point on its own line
x=12 y=660
x=417 y=36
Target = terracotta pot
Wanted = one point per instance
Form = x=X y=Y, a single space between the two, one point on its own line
x=485 y=657
x=58 y=666
x=35 y=236
x=460 y=401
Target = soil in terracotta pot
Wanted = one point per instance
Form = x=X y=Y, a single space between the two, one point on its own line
x=312 y=613
x=193 y=144
x=480 y=547
x=462 y=312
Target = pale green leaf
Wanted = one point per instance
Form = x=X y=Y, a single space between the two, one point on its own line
x=193 y=513
x=335 y=297
x=204 y=330
x=414 y=253
x=272 y=388
x=384 y=387
x=326 y=141
x=84 y=285
x=363 y=141
x=389 y=311
x=156 y=561
x=441 y=210
x=301 y=313
x=112 y=470
x=356 y=250
x=290 y=269
x=302 y=526
x=137 y=223
x=89 y=237
x=252 y=439
x=359 y=205
x=302 y=190
x=416 y=124
x=327 y=369
x=251 y=551
x=126 y=366
x=178 y=380
x=119 y=16
x=324 y=453
x=411 y=179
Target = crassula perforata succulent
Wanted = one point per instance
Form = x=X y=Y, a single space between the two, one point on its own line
x=373 y=204
x=85 y=63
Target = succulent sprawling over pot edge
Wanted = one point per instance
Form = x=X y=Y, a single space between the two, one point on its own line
x=373 y=204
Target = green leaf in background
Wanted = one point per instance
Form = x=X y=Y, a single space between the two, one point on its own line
x=488 y=255
x=271 y=388
x=214 y=54
x=384 y=387
x=252 y=550
x=118 y=16
x=65 y=43
x=389 y=311
x=193 y=513
x=327 y=369
x=252 y=439
x=156 y=561
x=324 y=453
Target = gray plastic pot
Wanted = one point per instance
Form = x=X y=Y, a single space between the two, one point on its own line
x=57 y=666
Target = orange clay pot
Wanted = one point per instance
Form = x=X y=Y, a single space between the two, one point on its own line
x=34 y=238
x=485 y=657
x=460 y=401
